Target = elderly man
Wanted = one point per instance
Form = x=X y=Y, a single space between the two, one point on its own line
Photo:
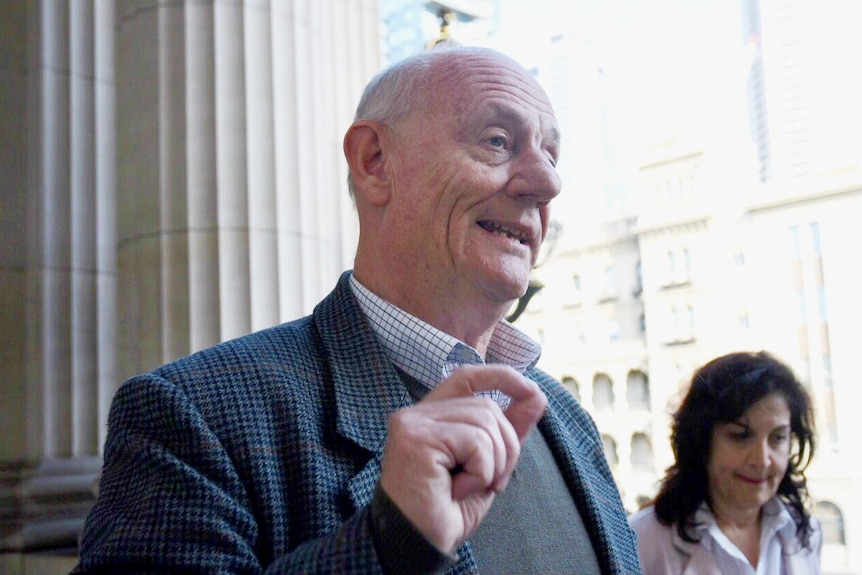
x=402 y=427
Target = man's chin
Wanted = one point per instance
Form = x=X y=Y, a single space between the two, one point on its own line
x=511 y=291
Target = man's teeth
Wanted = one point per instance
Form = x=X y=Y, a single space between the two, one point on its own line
x=498 y=229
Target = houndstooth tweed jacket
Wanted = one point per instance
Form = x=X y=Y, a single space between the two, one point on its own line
x=261 y=455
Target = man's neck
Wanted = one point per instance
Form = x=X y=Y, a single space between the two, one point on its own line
x=471 y=322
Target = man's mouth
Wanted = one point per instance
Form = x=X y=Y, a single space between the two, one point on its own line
x=511 y=233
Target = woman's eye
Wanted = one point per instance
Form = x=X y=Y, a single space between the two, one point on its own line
x=497 y=141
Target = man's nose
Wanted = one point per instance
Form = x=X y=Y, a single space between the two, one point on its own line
x=536 y=176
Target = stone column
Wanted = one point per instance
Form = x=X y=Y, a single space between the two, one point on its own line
x=234 y=154
x=171 y=176
x=252 y=222
x=200 y=224
x=57 y=264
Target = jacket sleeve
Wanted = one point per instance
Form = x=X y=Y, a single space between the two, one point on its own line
x=171 y=500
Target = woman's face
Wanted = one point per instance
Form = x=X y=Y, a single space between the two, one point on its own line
x=749 y=456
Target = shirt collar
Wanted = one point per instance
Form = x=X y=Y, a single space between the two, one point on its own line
x=430 y=355
x=775 y=516
x=776 y=519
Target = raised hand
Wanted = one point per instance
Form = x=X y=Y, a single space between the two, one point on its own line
x=447 y=456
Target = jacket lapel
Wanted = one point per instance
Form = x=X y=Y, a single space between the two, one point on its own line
x=366 y=385
x=367 y=388
x=570 y=435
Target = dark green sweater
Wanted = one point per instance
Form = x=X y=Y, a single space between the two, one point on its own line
x=533 y=527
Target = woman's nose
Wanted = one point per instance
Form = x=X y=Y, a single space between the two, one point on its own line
x=760 y=454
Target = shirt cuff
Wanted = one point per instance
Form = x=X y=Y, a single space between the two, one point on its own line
x=400 y=547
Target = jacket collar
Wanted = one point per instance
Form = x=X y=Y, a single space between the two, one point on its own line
x=367 y=386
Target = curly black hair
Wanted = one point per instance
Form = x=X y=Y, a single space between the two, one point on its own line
x=722 y=391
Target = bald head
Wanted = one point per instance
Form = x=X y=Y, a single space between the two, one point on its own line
x=408 y=84
x=395 y=91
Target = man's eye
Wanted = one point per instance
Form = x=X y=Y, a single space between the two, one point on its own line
x=497 y=141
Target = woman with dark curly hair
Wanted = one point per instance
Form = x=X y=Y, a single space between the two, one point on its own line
x=734 y=500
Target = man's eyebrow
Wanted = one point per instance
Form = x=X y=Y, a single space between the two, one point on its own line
x=508 y=114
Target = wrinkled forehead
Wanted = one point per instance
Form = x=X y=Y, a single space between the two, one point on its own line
x=465 y=83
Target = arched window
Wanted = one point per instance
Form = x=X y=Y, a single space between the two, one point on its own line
x=571 y=384
x=641 y=454
x=637 y=390
x=831 y=521
x=610 y=450
x=603 y=392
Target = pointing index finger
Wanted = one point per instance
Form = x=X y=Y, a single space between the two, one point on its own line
x=528 y=402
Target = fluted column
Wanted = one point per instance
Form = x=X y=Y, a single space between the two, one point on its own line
x=234 y=152
x=171 y=176
x=202 y=193
x=53 y=271
x=253 y=221
x=288 y=160
x=165 y=236
x=83 y=209
x=106 y=217
x=61 y=249
x=323 y=54
x=262 y=222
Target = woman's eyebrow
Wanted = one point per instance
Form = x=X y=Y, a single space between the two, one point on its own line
x=737 y=423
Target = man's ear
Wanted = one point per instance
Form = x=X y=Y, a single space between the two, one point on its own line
x=364 y=148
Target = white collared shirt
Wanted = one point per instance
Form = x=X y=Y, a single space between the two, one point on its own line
x=663 y=552
x=430 y=355
x=729 y=558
